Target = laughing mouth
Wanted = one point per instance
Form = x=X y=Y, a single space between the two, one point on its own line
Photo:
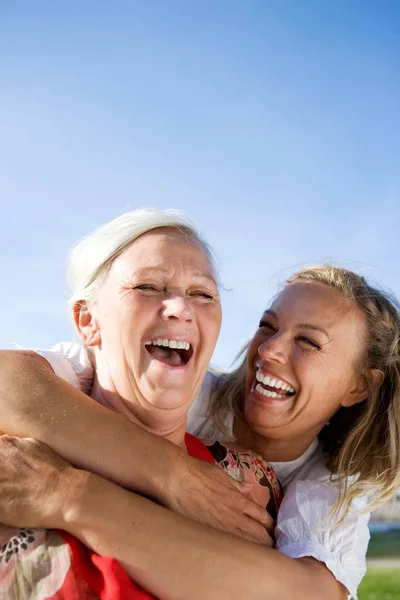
x=272 y=387
x=174 y=353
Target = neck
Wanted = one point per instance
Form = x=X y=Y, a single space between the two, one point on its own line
x=273 y=450
x=173 y=432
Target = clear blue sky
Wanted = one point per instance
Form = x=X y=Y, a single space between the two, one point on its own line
x=274 y=125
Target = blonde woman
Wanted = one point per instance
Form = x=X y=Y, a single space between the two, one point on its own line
x=318 y=395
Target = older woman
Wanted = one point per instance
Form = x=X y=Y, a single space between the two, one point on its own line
x=145 y=301
x=326 y=351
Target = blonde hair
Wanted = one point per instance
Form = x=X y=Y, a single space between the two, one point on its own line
x=90 y=260
x=362 y=442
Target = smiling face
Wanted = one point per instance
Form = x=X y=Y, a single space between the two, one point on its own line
x=154 y=326
x=303 y=363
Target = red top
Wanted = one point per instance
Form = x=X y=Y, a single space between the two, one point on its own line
x=101 y=577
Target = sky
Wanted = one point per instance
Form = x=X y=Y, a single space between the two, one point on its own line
x=273 y=125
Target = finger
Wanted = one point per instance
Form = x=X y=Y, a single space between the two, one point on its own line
x=246 y=487
x=17 y=442
x=239 y=524
x=253 y=531
x=251 y=508
x=242 y=486
x=270 y=542
x=8 y=445
x=259 y=514
x=6 y=439
x=267 y=522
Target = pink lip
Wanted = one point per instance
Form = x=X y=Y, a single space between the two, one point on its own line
x=271 y=374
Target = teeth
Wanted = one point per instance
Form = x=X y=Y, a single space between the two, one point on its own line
x=175 y=344
x=267 y=393
x=274 y=382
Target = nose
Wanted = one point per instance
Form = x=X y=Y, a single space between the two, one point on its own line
x=274 y=349
x=177 y=307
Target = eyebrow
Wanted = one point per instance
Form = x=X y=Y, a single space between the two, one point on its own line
x=198 y=275
x=272 y=313
x=314 y=328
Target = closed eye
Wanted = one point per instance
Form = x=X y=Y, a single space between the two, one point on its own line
x=266 y=325
x=309 y=342
x=202 y=294
x=147 y=287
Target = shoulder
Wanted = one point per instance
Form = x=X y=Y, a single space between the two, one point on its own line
x=71 y=362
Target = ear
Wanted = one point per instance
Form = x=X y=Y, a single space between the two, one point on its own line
x=373 y=380
x=86 y=324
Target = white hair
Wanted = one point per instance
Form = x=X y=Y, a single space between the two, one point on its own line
x=90 y=259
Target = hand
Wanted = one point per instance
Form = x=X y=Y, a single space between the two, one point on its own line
x=34 y=483
x=203 y=492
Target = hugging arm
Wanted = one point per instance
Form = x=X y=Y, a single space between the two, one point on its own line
x=173 y=557
x=176 y=558
x=34 y=402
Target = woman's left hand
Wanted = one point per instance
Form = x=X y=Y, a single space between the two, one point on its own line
x=34 y=483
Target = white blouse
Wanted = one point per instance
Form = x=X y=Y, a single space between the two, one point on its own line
x=303 y=519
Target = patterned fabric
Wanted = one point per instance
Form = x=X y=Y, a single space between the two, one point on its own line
x=245 y=465
x=53 y=565
x=33 y=563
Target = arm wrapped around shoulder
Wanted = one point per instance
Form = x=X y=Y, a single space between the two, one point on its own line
x=71 y=362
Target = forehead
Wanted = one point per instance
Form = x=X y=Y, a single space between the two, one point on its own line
x=164 y=249
x=318 y=304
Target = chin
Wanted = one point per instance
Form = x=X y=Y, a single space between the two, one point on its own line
x=169 y=401
x=257 y=417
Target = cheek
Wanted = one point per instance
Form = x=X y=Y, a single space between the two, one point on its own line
x=252 y=354
x=211 y=326
x=138 y=310
x=328 y=388
x=217 y=326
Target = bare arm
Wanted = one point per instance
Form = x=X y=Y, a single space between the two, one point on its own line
x=175 y=558
x=171 y=556
x=34 y=402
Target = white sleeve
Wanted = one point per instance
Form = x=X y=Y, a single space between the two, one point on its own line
x=303 y=530
x=72 y=363
x=197 y=423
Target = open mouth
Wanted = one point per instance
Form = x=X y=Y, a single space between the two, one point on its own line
x=174 y=353
x=272 y=387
